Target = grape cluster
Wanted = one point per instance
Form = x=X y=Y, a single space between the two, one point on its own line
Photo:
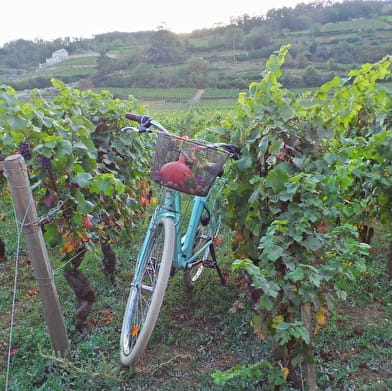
x=70 y=184
x=45 y=162
x=25 y=150
x=50 y=200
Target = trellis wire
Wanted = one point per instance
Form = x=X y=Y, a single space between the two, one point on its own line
x=19 y=226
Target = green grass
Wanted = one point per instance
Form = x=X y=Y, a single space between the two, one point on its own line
x=355 y=350
x=68 y=71
x=175 y=93
x=154 y=93
x=58 y=71
x=165 y=101
x=88 y=60
x=221 y=93
x=161 y=108
x=197 y=333
x=358 y=24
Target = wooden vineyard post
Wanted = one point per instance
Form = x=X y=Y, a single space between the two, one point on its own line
x=310 y=369
x=16 y=172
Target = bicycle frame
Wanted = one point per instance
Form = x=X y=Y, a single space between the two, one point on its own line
x=171 y=208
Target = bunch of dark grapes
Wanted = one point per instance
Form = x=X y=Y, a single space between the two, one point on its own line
x=25 y=150
x=71 y=185
x=45 y=162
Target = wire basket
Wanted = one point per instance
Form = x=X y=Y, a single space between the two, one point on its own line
x=185 y=165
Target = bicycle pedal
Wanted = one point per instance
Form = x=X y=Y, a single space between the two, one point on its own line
x=210 y=264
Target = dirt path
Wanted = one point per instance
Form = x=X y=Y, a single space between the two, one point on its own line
x=198 y=95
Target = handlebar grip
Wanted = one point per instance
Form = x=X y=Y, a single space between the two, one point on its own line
x=143 y=120
x=134 y=117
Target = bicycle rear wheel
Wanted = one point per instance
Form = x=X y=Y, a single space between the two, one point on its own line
x=207 y=230
x=147 y=292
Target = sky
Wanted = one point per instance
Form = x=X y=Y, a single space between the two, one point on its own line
x=51 y=19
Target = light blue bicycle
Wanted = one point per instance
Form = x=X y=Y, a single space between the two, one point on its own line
x=175 y=239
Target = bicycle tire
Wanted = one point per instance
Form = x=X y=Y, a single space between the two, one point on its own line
x=204 y=233
x=145 y=297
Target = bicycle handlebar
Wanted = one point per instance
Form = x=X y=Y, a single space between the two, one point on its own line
x=146 y=122
x=134 y=117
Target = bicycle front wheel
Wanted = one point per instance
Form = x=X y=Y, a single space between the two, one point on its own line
x=147 y=292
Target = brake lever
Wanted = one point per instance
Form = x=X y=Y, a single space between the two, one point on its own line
x=126 y=128
x=235 y=152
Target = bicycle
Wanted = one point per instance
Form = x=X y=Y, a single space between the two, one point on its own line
x=180 y=166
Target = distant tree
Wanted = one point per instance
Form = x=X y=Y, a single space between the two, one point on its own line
x=311 y=77
x=345 y=52
x=198 y=81
x=233 y=37
x=177 y=77
x=315 y=28
x=245 y=22
x=165 y=48
x=258 y=38
x=104 y=63
x=313 y=47
x=301 y=60
x=12 y=62
x=142 y=75
x=216 y=41
x=197 y=65
x=240 y=20
x=295 y=23
x=105 y=67
x=386 y=9
x=279 y=13
x=290 y=61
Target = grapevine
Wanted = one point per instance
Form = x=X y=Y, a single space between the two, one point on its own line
x=67 y=143
x=312 y=166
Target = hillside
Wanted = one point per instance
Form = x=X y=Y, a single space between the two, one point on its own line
x=326 y=39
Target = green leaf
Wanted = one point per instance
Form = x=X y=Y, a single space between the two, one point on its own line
x=244 y=163
x=107 y=184
x=83 y=179
x=283 y=326
x=277 y=179
x=263 y=145
x=64 y=148
x=51 y=235
x=273 y=252
x=260 y=281
x=312 y=243
x=131 y=202
x=80 y=145
x=291 y=190
x=275 y=147
x=299 y=162
x=85 y=206
x=241 y=264
x=296 y=275
x=316 y=278
x=265 y=303
x=16 y=122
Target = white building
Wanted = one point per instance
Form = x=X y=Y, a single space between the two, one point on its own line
x=57 y=57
